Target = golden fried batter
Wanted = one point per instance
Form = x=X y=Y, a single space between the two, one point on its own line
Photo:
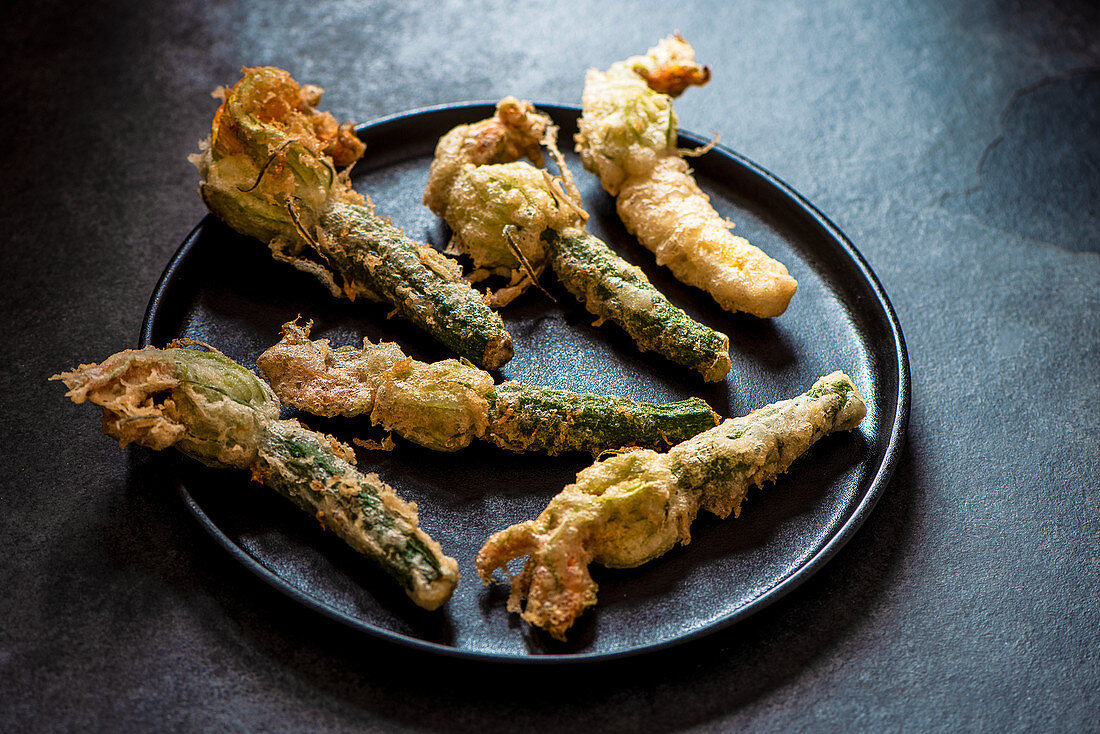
x=214 y=410
x=628 y=138
x=635 y=506
x=441 y=406
x=445 y=405
x=270 y=171
x=497 y=205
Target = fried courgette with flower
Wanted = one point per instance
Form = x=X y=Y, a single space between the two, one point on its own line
x=216 y=411
x=269 y=169
x=446 y=405
x=513 y=219
x=635 y=506
x=627 y=137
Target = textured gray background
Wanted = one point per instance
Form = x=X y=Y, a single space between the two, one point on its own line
x=958 y=146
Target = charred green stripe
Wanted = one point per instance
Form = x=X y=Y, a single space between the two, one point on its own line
x=309 y=462
x=371 y=252
x=530 y=418
x=613 y=289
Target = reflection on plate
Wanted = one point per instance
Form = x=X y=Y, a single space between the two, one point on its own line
x=226 y=290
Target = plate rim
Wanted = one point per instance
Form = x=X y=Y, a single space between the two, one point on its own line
x=837 y=539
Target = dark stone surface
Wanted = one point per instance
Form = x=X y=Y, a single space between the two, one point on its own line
x=955 y=144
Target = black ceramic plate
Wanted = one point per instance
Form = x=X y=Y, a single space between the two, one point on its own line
x=226 y=290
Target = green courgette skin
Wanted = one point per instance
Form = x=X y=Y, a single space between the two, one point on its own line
x=297 y=463
x=270 y=170
x=630 y=508
x=722 y=464
x=216 y=411
x=531 y=418
x=419 y=282
x=446 y=405
x=513 y=219
x=614 y=290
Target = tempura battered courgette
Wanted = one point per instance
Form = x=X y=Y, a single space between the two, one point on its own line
x=635 y=506
x=269 y=169
x=446 y=405
x=628 y=138
x=513 y=219
x=214 y=410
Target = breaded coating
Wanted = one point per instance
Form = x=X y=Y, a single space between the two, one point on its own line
x=628 y=138
x=635 y=506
